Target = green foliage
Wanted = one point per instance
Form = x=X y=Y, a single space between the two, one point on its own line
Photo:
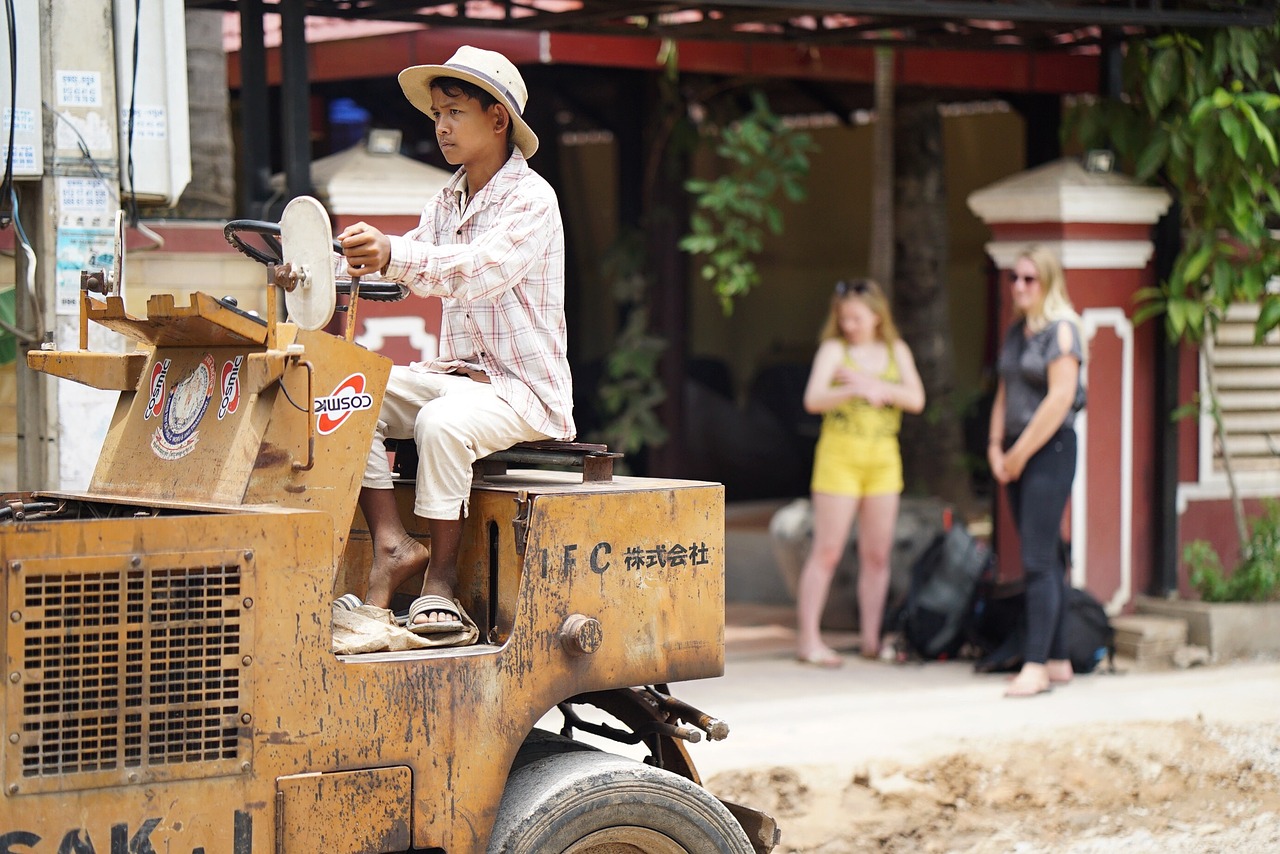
x=1202 y=115
x=630 y=389
x=8 y=342
x=765 y=158
x=731 y=212
x=1256 y=578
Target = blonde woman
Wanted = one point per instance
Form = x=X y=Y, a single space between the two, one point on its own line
x=863 y=378
x=1032 y=451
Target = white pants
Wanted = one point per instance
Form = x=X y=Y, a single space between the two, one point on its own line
x=455 y=421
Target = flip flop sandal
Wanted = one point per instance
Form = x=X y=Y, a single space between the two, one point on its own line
x=347 y=602
x=434 y=605
x=830 y=661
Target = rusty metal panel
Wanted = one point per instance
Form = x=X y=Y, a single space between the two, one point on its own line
x=350 y=377
x=355 y=812
x=275 y=631
x=127 y=669
x=653 y=577
x=187 y=433
x=642 y=558
x=638 y=561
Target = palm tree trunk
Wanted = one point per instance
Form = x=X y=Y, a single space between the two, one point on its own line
x=881 y=250
x=932 y=446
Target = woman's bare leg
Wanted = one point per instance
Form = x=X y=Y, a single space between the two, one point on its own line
x=833 y=516
x=879 y=519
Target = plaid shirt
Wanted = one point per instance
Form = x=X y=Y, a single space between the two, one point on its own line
x=498 y=267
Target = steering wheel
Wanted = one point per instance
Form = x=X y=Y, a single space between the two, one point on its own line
x=269 y=234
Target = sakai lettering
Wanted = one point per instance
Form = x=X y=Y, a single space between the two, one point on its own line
x=123 y=839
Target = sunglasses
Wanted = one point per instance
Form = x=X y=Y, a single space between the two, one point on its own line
x=858 y=287
x=1014 y=279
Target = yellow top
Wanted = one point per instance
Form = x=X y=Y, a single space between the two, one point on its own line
x=855 y=418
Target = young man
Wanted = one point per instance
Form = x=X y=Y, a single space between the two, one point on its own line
x=491 y=246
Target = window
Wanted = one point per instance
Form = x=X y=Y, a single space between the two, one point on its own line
x=1248 y=381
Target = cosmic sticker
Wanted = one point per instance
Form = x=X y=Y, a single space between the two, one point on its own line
x=229 y=384
x=156 y=400
x=183 y=408
x=348 y=397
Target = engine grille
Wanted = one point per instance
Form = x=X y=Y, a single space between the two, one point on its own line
x=129 y=674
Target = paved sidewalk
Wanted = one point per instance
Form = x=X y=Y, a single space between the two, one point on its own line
x=783 y=713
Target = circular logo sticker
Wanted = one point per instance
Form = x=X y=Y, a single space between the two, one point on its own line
x=185 y=406
x=336 y=408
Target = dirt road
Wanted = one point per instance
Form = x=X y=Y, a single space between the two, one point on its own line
x=931 y=758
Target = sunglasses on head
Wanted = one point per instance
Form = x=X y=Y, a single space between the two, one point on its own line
x=859 y=287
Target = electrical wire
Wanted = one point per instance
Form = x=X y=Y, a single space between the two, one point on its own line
x=265 y=209
x=133 y=106
x=289 y=398
x=29 y=290
x=84 y=152
x=135 y=220
x=6 y=186
x=156 y=239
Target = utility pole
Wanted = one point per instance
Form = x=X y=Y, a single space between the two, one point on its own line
x=69 y=214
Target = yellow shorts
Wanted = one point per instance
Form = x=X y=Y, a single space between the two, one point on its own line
x=848 y=465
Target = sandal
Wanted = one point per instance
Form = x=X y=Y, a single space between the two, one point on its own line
x=434 y=605
x=830 y=659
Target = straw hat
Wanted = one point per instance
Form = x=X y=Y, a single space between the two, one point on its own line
x=489 y=70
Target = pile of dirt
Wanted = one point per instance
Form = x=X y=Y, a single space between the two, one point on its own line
x=1171 y=787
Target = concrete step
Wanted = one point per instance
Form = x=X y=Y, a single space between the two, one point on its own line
x=1229 y=630
x=1149 y=639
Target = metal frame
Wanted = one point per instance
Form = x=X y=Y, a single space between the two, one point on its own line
x=969 y=24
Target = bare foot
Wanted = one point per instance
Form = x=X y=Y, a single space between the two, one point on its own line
x=1033 y=680
x=394 y=565
x=1059 y=670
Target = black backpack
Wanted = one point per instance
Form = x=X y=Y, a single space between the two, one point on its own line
x=938 y=607
x=1090 y=635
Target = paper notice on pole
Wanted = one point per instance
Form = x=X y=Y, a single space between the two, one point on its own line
x=80 y=249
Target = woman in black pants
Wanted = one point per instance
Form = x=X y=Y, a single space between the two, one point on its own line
x=1032 y=451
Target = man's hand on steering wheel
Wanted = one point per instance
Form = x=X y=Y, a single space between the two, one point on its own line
x=367 y=250
x=270 y=252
